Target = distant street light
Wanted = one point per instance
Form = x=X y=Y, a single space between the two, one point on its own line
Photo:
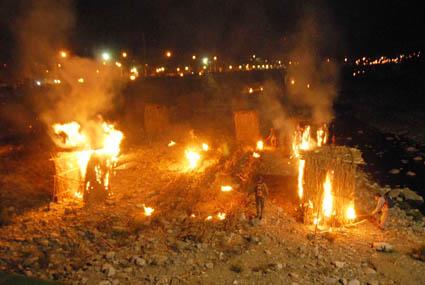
x=205 y=60
x=168 y=54
x=106 y=56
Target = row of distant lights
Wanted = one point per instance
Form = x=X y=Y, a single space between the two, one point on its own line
x=364 y=61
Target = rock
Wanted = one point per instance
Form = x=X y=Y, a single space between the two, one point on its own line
x=236 y=268
x=394 y=171
x=293 y=275
x=158 y=260
x=104 y=282
x=209 y=265
x=368 y=270
x=410 y=173
x=394 y=193
x=330 y=280
x=353 y=282
x=115 y=282
x=108 y=269
x=338 y=264
x=373 y=282
x=411 y=195
x=139 y=261
x=418 y=158
x=411 y=149
x=404 y=161
x=343 y=281
x=110 y=255
x=382 y=246
x=255 y=222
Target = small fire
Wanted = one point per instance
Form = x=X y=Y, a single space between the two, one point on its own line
x=260 y=145
x=350 y=213
x=256 y=155
x=208 y=218
x=205 y=147
x=193 y=158
x=327 y=205
x=221 y=216
x=226 y=188
x=148 y=211
x=301 y=166
x=322 y=136
x=171 y=143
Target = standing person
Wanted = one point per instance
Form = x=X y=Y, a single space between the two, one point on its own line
x=261 y=193
x=381 y=209
x=271 y=139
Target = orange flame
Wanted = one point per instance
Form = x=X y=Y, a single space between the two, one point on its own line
x=256 y=155
x=350 y=213
x=205 y=147
x=226 y=188
x=301 y=166
x=260 y=145
x=148 y=211
x=193 y=158
x=327 y=205
x=221 y=216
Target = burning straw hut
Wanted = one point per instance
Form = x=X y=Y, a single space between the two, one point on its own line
x=329 y=184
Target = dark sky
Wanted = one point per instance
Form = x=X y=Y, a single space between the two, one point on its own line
x=234 y=27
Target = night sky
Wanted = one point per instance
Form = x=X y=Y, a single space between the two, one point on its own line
x=233 y=28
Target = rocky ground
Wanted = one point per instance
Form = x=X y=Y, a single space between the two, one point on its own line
x=115 y=243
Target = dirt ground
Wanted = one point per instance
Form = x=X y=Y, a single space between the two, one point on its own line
x=115 y=243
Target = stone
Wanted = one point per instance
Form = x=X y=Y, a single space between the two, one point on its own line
x=110 y=255
x=411 y=195
x=255 y=222
x=373 y=282
x=139 y=261
x=394 y=171
x=418 y=158
x=353 y=282
x=382 y=247
x=209 y=265
x=410 y=173
x=338 y=264
x=368 y=270
x=104 y=282
x=330 y=280
x=108 y=269
x=411 y=149
x=293 y=275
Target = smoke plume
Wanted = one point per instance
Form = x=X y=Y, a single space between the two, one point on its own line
x=87 y=86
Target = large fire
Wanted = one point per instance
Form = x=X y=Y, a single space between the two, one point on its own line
x=105 y=147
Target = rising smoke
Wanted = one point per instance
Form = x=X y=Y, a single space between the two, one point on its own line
x=310 y=80
x=87 y=87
